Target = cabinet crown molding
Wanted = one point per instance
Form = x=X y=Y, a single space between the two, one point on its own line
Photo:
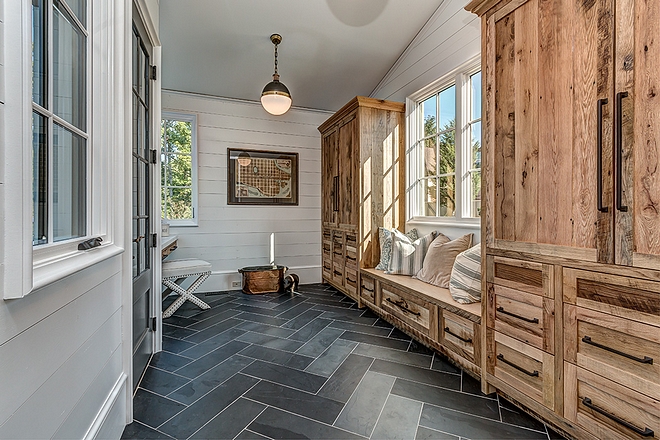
x=361 y=101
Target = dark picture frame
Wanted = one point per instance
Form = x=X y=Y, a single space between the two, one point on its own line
x=259 y=177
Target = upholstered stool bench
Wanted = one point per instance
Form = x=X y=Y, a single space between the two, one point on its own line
x=174 y=272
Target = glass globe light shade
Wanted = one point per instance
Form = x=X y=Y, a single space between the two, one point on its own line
x=276 y=98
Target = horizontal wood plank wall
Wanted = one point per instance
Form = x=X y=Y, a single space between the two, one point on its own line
x=231 y=237
x=60 y=351
x=450 y=38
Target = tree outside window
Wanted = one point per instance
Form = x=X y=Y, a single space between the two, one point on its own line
x=178 y=172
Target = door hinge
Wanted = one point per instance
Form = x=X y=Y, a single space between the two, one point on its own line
x=153 y=73
x=154 y=321
x=154 y=156
x=154 y=240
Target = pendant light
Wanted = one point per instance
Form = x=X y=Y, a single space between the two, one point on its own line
x=275 y=97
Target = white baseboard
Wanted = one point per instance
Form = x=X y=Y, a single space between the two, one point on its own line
x=222 y=280
x=111 y=418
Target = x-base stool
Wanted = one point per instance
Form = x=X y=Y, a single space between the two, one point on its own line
x=176 y=270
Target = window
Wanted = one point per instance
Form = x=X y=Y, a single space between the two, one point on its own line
x=60 y=136
x=179 y=169
x=444 y=152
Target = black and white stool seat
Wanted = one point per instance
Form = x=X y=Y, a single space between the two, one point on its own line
x=179 y=269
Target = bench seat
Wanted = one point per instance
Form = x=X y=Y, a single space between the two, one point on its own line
x=426 y=312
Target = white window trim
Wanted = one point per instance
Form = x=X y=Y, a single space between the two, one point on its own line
x=194 y=151
x=24 y=269
x=460 y=77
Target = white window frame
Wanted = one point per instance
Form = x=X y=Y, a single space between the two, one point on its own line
x=25 y=268
x=192 y=118
x=460 y=77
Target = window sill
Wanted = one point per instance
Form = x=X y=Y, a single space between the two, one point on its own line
x=472 y=223
x=48 y=271
x=182 y=223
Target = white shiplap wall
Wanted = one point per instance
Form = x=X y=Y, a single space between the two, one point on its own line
x=231 y=236
x=450 y=38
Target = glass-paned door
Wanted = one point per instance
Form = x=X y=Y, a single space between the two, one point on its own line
x=142 y=196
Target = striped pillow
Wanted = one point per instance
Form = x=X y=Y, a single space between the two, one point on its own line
x=385 y=239
x=465 y=282
x=407 y=257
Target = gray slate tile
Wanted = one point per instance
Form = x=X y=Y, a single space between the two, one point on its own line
x=270 y=341
x=285 y=376
x=279 y=357
x=398 y=419
x=231 y=421
x=265 y=329
x=319 y=343
x=445 y=398
x=330 y=359
x=346 y=378
x=161 y=382
x=205 y=363
x=362 y=410
x=217 y=341
x=278 y=424
x=376 y=340
x=416 y=374
x=466 y=425
x=388 y=354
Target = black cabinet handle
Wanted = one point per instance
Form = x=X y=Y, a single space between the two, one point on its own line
x=403 y=306
x=522 y=318
x=646 y=432
x=467 y=341
x=619 y=150
x=351 y=258
x=367 y=289
x=599 y=164
x=335 y=184
x=644 y=360
x=534 y=373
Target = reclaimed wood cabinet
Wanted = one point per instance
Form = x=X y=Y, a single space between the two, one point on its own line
x=571 y=185
x=362 y=185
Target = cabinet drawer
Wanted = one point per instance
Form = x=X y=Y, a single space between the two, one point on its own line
x=606 y=409
x=327 y=267
x=525 y=276
x=628 y=297
x=351 y=280
x=626 y=351
x=525 y=368
x=458 y=335
x=522 y=315
x=338 y=273
x=368 y=289
x=351 y=258
x=327 y=235
x=411 y=310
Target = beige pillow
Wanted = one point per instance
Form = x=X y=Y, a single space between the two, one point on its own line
x=439 y=260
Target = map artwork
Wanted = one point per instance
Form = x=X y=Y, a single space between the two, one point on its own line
x=264 y=178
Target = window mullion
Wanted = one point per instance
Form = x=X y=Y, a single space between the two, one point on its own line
x=50 y=149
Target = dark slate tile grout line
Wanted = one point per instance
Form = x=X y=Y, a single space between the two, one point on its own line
x=356 y=387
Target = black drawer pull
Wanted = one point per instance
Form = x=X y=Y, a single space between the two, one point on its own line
x=467 y=341
x=535 y=373
x=644 y=360
x=403 y=306
x=338 y=273
x=367 y=289
x=522 y=318
x=351 y=258
x=619 y=151
x=350 y=280
x=599 y=147
x=644 y=433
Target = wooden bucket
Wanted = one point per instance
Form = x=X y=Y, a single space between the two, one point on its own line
x=262 y=279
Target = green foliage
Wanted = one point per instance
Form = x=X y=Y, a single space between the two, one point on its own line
x=176 y=170
x=446 y=164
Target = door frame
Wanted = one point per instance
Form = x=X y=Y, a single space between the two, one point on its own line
x=123 y=80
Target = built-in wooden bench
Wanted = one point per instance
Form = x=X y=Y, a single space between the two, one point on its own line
x=426 y=312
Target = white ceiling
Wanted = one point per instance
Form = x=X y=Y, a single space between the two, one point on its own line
x=332 y=50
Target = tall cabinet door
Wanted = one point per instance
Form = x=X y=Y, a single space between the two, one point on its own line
x=637 y=140
x=330 y=179
x=349 y=154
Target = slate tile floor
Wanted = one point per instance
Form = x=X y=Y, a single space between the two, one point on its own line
x=311 y=365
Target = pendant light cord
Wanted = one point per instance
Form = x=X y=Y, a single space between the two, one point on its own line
x=275 y=62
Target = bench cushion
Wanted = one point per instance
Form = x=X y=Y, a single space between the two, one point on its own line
x=185 y=268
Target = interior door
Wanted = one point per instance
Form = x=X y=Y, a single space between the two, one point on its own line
x=142 y=196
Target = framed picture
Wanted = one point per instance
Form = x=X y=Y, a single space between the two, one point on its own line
x=257 y=177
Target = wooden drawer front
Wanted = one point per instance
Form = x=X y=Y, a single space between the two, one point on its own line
x=522 y=315
x=606 y=409
x=458 y=334
x=413 y=311
x=525 y=368
x=627 y=352
x=628 y=297
x=337 y=244
x=327 y=267
x=521 y=275
x=351 y=257
x=368 y=289
x=338 y=272
x=351 y=280
x=351 y=241
x=326 y=235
